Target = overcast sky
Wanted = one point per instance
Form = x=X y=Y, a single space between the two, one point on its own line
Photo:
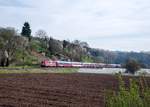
x=106 y=24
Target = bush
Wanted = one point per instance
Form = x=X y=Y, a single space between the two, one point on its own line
x=134 y=96
x=37 y=46
x=132 y=66
x=24 y=58
x=86 y=59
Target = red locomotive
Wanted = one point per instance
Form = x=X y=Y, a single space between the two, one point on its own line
x=48 y=63
x=66 y=64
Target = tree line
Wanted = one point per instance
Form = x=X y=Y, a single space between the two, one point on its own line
x=25 y=48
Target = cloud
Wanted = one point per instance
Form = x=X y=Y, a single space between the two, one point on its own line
x=12 y=3
x=95 y=21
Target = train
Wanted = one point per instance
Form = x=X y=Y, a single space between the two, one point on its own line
x=69 y=64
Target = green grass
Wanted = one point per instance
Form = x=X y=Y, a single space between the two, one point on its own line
x=20 y=66
x=66 y=70
x=37 y=70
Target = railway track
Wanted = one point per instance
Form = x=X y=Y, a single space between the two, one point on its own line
x=42 y=68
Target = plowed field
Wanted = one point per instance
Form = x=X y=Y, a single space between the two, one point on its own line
x=54 y=90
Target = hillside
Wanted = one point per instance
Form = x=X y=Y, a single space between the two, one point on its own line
x=17 y=49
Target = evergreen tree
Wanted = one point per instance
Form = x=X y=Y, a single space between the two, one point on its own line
x=26 y=31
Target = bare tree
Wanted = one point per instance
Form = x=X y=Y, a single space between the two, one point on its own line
x=10 y=41
x=41 y=34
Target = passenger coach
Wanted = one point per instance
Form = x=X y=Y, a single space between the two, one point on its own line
x=67 y=64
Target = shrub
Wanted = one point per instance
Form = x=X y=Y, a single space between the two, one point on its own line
x=134 y=96
x=132 y=66
x=86 y=59
x=24 y=58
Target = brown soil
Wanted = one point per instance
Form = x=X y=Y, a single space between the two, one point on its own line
x=55 y=90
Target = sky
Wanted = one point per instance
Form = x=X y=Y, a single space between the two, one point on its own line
x=118 y=25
